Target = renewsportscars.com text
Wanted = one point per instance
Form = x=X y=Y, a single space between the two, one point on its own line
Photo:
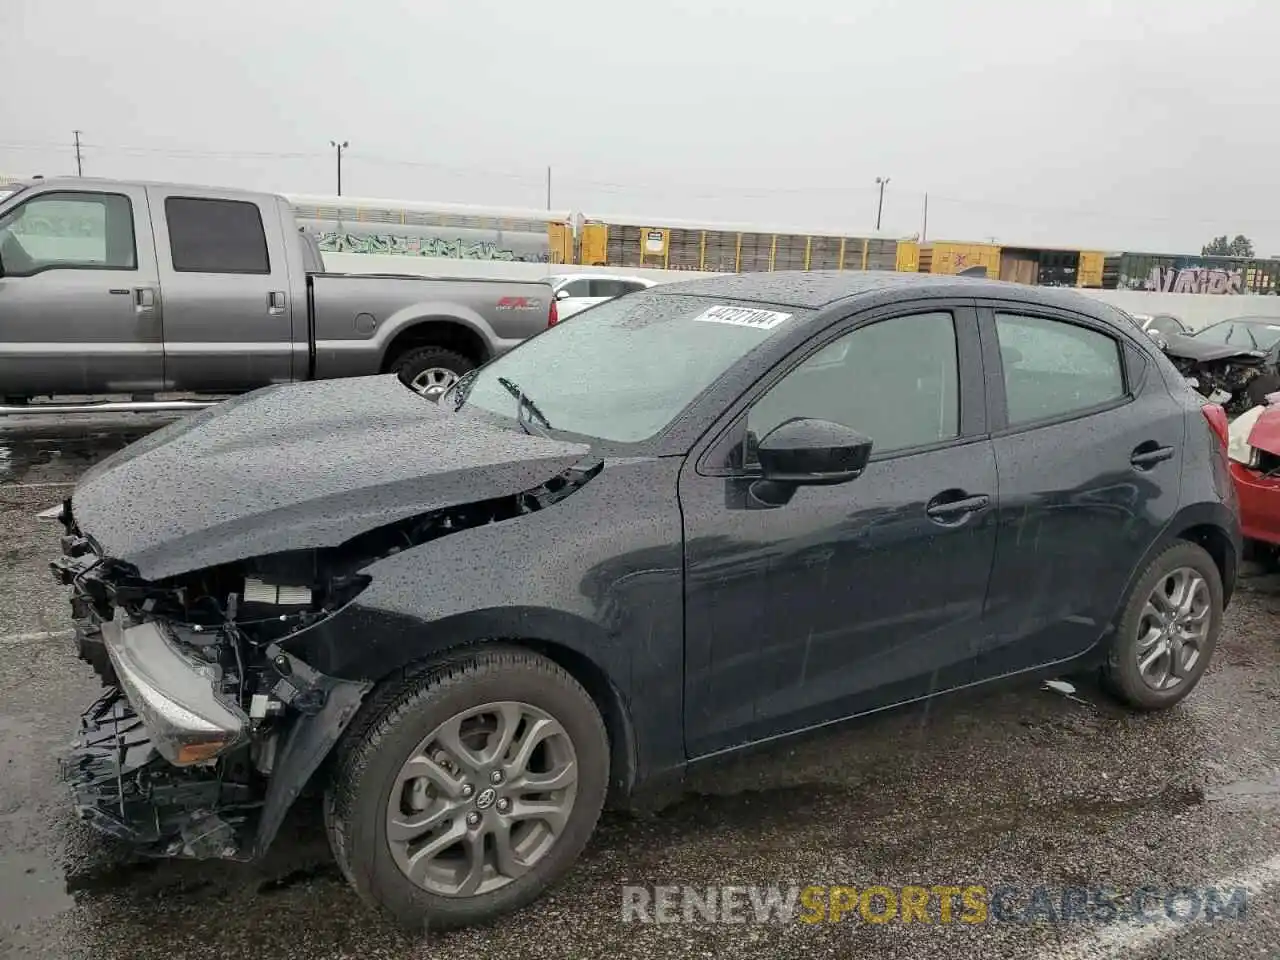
x=934 y=904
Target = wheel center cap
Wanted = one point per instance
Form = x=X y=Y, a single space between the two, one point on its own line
x=485 y=798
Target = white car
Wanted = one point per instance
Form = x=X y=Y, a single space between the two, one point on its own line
x=574 y=292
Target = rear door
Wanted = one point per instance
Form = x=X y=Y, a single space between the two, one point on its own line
x=1088 y=444
x=228 y=309
x=80 y=296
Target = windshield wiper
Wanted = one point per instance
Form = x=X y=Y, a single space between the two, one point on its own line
x=523 y=404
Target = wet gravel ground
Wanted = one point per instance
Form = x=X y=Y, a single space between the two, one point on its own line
x=1019 y=787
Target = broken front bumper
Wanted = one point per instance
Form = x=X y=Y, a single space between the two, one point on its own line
x=123 y=787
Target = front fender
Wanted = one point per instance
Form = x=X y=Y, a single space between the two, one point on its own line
x=583 y=575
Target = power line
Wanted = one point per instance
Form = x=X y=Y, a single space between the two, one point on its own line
x=688 y=191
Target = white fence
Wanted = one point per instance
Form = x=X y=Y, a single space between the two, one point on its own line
x=1195 y=310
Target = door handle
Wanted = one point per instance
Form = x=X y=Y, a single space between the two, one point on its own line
x=275 y=302
x=955 y=506
x=144 y=299
x=1147 y=455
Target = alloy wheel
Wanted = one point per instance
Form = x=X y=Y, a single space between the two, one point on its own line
x=433 y=382
x=1173 y=628
x=482 y=799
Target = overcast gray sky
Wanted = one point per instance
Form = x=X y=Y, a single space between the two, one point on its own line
x=1114 y=124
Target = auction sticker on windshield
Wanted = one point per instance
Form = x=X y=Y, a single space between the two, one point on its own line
x=743 y=317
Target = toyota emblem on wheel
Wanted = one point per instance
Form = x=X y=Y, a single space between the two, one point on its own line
x=484 y=800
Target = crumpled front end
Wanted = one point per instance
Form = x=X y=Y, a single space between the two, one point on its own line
x=182 y=755
x=212 y=725
x=1235 y=379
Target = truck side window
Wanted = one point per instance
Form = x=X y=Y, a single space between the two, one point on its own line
x=216 y=236
x=68 y=230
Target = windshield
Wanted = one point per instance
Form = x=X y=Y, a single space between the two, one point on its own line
x=1251 y=334
x=623 y=371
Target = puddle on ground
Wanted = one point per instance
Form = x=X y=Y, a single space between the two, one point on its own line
x=34 y=889
x=61 y=452
x=1246 y=793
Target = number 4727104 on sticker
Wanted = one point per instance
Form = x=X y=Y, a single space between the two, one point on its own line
x=743 y=317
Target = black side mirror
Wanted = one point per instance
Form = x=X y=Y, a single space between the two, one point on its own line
x=802 y=451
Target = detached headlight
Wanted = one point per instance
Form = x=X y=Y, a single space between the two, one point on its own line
x=1238 y=431
x=174 y=696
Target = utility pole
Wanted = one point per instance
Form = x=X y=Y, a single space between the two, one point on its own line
x=548 y=188
x=79 y=167
x=339 y=147
x=880 y=206
x=924 y=229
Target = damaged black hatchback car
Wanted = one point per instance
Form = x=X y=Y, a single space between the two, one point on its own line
x=688 y=520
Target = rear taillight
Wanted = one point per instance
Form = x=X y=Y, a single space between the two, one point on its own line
x=1217 y=418
x=553 y=315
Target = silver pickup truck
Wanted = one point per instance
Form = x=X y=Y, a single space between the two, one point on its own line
x=121 y=287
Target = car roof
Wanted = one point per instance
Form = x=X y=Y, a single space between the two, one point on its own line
x=818 y=289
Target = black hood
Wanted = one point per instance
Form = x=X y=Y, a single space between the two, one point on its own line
x=297 y=467
x=1189 y=348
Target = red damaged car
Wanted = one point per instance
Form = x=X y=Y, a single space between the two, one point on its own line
x=1254 y=449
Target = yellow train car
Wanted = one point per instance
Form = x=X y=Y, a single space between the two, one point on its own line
x=1038 y=266
x=726 y=248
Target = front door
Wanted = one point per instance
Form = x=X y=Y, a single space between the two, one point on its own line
x=852 y=597
x=79 y=296
x=228 y=311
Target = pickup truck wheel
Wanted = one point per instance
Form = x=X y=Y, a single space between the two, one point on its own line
x=475 y=787
x=1168 y=630
x=430 y=370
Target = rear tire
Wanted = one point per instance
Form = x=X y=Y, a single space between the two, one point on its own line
x=1142 y=619
x=369 y=791
x=430 y=370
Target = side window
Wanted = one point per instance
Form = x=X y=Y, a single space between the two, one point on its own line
x=609 y=288
x=68 y=230
x=577 y=288
x=896 y=380
x=216 y=236
x=1053 y=368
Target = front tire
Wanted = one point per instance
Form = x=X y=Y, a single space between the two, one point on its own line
x=1168 y=630
x=474 y=788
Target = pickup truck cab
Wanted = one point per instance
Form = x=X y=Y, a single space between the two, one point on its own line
x=121 y=287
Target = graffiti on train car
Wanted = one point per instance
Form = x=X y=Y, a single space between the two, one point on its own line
x=1215 y=280
x=331 y=241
